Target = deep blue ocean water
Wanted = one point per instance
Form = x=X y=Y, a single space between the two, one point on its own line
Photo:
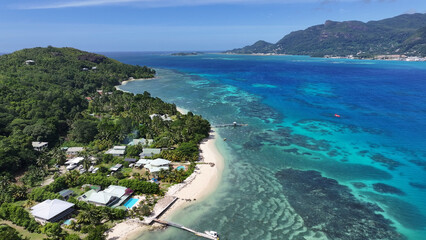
x=290 y=104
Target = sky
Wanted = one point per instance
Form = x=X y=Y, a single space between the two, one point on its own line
x=175 y=25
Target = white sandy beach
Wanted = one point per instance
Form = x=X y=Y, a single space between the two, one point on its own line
x=198 y=186
x=131 y=80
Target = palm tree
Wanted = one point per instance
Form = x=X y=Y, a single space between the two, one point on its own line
x=86 y=160
x=59 y=156
x=147 y=174
x=136 y=175
x=28 y=204
x=84 y=217
x=43 y=160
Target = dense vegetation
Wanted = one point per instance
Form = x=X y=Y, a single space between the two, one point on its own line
x=9 y=233
x=66 y=97
x=41 y=102
x=404 y=34
x=46 y=102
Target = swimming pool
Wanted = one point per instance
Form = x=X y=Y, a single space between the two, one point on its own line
x=67 y=222
x=180 y=168
x=131 y=202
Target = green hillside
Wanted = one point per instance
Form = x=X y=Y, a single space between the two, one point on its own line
x=45 y=100
x=398 y=35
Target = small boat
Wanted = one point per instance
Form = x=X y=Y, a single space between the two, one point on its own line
x=212 y=234
x=224 y=139
x=337 y=115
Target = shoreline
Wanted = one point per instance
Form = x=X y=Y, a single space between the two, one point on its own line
x=197 y=187
x=117 y=87
x=401 y=59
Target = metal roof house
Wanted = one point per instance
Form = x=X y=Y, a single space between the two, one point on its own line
x=117 y=151
x=130 y=160
x=111 y=196
x=141 y=141
x=164 y=117
x=30 y=62
x=52 y=210
x=155 y=166
x=142 y=162
x=149 y=152
x=74 y=161
x=116 y=167
x=66 y=193
x=74 y=150
x=39 y=146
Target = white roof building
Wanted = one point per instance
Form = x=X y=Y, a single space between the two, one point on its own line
x=39 y=146
x=141 y=141
x=156 y=165
x=74 y=150
x=142 y=162
x=52 y=210
x=119 y=147
x=107 y=197
x=164 y=117
x=159 y=162
x=149 y=152
x=30 y=62
x=153 y=169
x=117 y=151
x=116 y=167
x=74 y=161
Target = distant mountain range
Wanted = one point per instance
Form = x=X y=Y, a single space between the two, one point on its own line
x=404 y=34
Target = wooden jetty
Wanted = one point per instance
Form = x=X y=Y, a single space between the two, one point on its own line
x=162 y=205
x=204 y=235
x=234 y=124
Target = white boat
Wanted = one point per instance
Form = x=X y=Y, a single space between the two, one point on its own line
x=212 y=234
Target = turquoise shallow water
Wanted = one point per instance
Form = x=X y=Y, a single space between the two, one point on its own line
x=290 y=105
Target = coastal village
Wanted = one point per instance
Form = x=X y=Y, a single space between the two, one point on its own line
x=114 y=166
x=147 y=166
x=391 y=57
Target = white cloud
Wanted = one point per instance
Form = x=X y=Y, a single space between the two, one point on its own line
x=54 y=4
x=146 y=3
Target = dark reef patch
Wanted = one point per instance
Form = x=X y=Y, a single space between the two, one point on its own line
x=362 y=153
x=385 y=161
x=333 y=153
x=292 y=150
x=418 y=185
x=284 y=137
x=326 y=205
x=384 y=188
x=407 y=214
x=419 y=163
x=261 y=111
x=359 y=185
x=327 y=127
x=253 y=145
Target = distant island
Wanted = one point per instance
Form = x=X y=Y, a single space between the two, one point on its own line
x=399 y=37
x=186 y=53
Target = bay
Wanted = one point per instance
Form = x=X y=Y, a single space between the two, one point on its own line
x=359 y=124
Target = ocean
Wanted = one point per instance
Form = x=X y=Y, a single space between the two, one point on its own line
x=334 y=148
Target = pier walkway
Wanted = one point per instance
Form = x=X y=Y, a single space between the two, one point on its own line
x=160 y=208
x=204 y=235
x=234 y=124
